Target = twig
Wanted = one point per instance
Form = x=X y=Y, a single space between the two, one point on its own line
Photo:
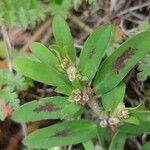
x=81 y=24
x=47 y=36
x=133 y=9
x=37 y=34
x=8 y=53
x=8 y=47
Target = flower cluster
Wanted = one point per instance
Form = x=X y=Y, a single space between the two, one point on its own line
x=81 y=96
x=116 y=117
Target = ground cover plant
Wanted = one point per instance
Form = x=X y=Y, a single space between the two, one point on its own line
x=88 y=81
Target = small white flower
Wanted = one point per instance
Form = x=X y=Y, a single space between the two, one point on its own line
x=77 y=95
x=85 y=97
x=103 y=123
x=113 y=121
x=71 y=71
x=123 y=114
x=64 y=64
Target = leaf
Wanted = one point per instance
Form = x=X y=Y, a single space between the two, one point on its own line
x=88 y=145
x=104 y=136
x=137 y=108
x=10 y=97
x=144 y=68
x=135 y=129
x=39 y=72
x=146 y=146
x=93 y=51
x=63 y=36
x=64 y=90
x=118 y=64
x=118 y=141
x=61 y=8
x=46 y=108
x=111 y=99
x=44 y=54
x=133 y=120
x=70 y=132
x=142 y=115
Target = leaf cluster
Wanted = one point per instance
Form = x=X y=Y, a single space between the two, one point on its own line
x=83 y=81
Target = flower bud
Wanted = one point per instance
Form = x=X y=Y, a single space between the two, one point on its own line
x=103 y=123
x=113 y=121
x=85 y=97
x=77 y=95
x=123 y=114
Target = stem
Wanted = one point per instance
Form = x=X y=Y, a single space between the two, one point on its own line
x=8 y=46
x=95 y=107
x=37 y=34
x=81 y=24
x=9 y=59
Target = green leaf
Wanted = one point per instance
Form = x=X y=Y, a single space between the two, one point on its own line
x=104 y=136
x=60 y=8
x=93 y=51
x=135 y=129
x=70 y=132
x=142 y=115
x=46 y=108
x=140 y=107
x=133 y=120
x=144 y=68
x=88 y=145
x=44 y=54
x=146 y=146
x=39 y=72
x=111 y=99
x=118 y=141
x=64 y=90
x=119 y=63
x=63 y=36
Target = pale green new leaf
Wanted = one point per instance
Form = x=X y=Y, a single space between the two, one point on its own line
x=118 y=65
x=44 y=54
x=69 y=132
x=93 y=51
x=63 y=37
x=46 y=108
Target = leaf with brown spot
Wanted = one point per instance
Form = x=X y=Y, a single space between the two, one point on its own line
x=61 y=134
x=47 y=108
x=120 y=62
x=93 y=50
x=115 y=67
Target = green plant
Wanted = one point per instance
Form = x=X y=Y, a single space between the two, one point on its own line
x=83 y=81
x=24 y=13
x=8 y=97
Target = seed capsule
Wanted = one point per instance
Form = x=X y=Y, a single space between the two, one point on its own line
x=77 y=95
x=113 y=121
x=85 y=97
x=123 y=114
x=103 y=123
x=71 y=71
